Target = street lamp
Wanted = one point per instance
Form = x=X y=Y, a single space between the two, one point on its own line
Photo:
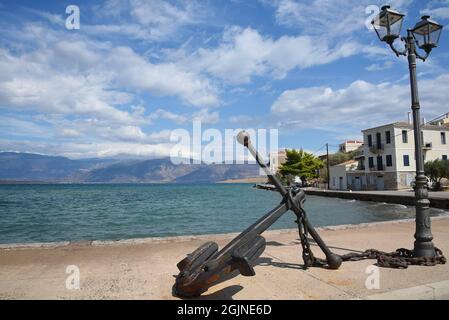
x=425 y=35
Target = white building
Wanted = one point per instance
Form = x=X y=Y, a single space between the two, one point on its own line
x=350 y=145
x=388 y=162
x=277 y=159
x=338 y=174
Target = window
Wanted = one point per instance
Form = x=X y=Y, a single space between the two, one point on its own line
x=333 y=181
x=406 y=160
x=404 y=136
x=370 y=140
x=388 y=137
x=380 y=165
x=379 y=140
x=371 y=162
x=443 y=137
x=444 y=157
x=389 y=160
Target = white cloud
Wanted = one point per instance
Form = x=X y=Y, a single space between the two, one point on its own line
x=86 y=79
x=380 y=67
x=328 y=18
x=164 y=79
x=240 y=119
x=245 y=53
x=70 y=133
x=80 y=130
x=359 y=106
x=206 y=117
x=167 y=115
x=51 y=17
x=22 y=128
x=153 y=20
x=88 y=150
x=41 y=88
x=437 y=9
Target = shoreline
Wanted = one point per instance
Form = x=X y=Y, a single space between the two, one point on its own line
x=439 y=200
x=187 y=238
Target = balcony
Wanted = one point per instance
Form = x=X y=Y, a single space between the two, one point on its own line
x=427 y=146
x=378 y=168
x=377 y=148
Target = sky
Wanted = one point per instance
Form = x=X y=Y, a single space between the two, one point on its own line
x=136 y=70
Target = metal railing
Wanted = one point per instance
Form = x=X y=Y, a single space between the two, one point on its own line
x=378 y=168
x=378 y=147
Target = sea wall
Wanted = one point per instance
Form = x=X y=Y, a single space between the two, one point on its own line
x=391 y=197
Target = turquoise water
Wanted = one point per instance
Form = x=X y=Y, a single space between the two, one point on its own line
x=47 y=213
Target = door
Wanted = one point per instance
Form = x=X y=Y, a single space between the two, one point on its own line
x=380 y=183
x=357 y=184
x=409 y=179
x=341 y=183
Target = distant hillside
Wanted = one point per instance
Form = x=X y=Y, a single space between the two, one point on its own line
x=157 y=171
x=219 y=172
x=28 y=166
x=33 y=167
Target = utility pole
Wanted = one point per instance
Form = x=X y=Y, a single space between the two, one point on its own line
x=328 y=167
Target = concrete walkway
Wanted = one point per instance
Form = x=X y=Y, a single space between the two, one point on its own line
x=145 y=269
x=438 y=199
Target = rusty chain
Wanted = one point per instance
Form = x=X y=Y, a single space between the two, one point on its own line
x=401 y=258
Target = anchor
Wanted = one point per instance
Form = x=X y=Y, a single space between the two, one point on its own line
x=207 y=266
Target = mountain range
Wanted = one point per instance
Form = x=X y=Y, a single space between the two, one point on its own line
x=34 y=167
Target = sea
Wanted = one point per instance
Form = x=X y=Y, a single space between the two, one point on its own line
x=80 y=212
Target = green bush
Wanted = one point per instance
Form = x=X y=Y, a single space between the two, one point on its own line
x=437 y=170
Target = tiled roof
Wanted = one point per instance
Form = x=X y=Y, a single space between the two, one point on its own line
x=406 y=125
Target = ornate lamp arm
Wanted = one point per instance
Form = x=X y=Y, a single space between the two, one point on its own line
x=398 y=52
x=423 y=58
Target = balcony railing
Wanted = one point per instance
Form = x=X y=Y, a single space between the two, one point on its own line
x=377 y=168
x=376 y=148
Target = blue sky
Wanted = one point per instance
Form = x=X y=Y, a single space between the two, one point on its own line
x=135 y=70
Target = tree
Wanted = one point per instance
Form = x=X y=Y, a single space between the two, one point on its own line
x=340 y=157
x=302 y=164
x=436 y=170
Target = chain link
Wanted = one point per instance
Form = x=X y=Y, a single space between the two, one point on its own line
x=401 y=258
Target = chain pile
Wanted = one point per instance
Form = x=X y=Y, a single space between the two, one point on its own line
x=401 y=258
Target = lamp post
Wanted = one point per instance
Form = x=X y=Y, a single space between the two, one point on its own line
x=424 y=35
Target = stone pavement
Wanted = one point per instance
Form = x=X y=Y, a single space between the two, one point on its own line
x=145 y=268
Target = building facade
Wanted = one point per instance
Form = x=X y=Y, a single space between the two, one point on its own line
x=388 y=158
x=277 y=159
x=350 y=145
x=340 y=174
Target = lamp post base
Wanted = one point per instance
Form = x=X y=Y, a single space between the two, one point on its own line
x=424 y=249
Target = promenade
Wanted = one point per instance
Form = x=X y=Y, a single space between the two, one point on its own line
x=145 y=268
x=439 y=199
